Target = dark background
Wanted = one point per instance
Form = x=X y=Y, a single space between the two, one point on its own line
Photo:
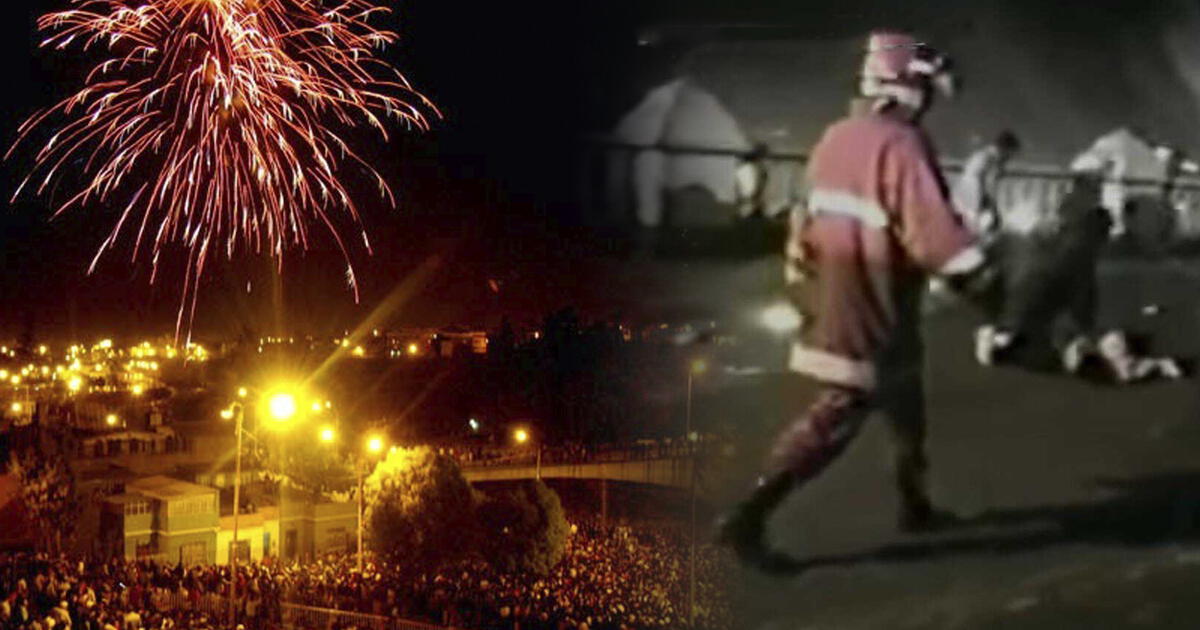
x=491 y=190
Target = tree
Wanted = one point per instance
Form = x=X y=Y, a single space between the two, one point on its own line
x=49 y=494
x=420 y=507
x=526 y=528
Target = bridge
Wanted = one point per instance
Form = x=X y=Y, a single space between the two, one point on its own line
x=674 y=472
x=657 y=465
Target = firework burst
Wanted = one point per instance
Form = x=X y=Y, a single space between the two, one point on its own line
x=211 y=124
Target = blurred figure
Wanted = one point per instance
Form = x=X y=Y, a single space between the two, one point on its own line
x=878 y=220
x=1047 y=315
x=751 y=183
x=975 y=192
x=1137 y=174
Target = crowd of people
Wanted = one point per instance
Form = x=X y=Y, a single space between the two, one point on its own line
x=611 y=578
x=43 y=592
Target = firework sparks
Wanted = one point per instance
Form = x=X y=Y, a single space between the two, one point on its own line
x=210 y=123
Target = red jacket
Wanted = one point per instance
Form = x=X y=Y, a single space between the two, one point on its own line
x=879 y=220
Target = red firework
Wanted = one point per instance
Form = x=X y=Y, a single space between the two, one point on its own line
x=212 y=122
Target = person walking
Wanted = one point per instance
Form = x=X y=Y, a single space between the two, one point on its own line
x=878 y=221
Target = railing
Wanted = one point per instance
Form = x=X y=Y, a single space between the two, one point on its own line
x=208 y=604
x=295 y=616
x=577 y=455
x=1028 y=194
x=311 y=618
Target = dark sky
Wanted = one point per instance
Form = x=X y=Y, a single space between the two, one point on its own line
x=490 y=192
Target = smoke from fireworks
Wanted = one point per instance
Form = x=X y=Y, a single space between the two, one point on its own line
x=208 y=123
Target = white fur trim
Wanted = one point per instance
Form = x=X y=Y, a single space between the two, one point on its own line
x=966 y=261
x=825 y=201
x=832 y=368
x=920 y=66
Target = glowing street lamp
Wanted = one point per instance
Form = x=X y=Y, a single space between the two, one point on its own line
x=137 y=390
x=282 y=406
x=327 y=435
x=317 y=407
x=522 y=437
x=16 y=407
x=111 y=419
x=75 y=384
x=374 y=447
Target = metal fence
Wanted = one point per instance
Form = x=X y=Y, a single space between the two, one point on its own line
x=293 y=616
x=311 y=618
x=213 y=606
x=552 y=455
x=1029 y=193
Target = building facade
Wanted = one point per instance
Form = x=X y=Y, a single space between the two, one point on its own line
x=163 y=519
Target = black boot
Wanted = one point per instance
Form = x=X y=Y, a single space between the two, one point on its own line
x=917 y=515
x=743 y=527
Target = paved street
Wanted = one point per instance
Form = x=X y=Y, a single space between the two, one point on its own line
x=1081 y=501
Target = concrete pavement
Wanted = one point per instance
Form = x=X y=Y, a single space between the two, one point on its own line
x=1081 y=502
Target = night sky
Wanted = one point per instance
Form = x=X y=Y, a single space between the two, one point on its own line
x=490 y=195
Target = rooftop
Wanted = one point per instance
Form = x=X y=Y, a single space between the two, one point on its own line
x=166 y=488
x=127 y=497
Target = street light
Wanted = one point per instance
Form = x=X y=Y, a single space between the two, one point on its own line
x=327 y=435
x=111 y=419
x=281 y=406
x=374 y=446
x=521 y=436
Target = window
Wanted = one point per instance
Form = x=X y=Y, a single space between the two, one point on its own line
x=193 y=553
x=243 y=551
x=336 y=539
